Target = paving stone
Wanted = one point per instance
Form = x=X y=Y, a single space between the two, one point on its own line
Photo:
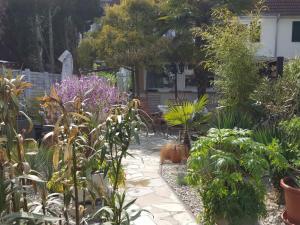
x=152 y=192
x=138 y=192
x=186 y=217
x=171 y=207
x=144 y=220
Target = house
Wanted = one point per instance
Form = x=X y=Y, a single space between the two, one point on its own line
x=157 y=86
x=279 y=29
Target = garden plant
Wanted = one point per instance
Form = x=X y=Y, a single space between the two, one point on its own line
x=78 y=145
x=227 y=167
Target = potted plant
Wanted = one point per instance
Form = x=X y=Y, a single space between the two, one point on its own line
x=291 y=183
x=227 y=166
x=291 y=189
x=183 y=114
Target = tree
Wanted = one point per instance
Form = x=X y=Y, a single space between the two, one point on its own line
x=36 y=32
x=128 y=37
x=182 y=16
x=3 y=5
x=231 y=57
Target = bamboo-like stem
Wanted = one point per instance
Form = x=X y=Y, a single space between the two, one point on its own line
x=77 y=216
x=65 y=208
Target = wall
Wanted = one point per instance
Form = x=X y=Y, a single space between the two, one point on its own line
x=267 y=37
x=285 y=46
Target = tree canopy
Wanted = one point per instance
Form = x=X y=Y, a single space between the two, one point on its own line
x=128 y=36
x=36 y=32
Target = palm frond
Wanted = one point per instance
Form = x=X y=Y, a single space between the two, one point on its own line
x=183 y=113
x=202 y=102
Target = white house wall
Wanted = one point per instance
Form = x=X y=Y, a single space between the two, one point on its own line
x=267 y=37
x=286 y=47
x=267 y=46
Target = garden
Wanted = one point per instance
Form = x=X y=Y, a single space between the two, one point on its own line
x=244 y=161
x=237 y=164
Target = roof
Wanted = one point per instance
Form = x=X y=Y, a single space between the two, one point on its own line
x=283 y=7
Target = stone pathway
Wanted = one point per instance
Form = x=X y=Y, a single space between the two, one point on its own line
x=152 y=192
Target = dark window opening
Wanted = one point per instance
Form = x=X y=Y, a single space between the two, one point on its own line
x=296 y=31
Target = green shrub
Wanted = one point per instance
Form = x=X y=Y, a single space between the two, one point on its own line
x=291 y=140
x=227 y=166
x=266 y=134
x=280 y=98
x=228 y=118
x=231 y=57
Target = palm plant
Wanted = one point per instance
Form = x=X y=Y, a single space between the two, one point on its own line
x=184 y=114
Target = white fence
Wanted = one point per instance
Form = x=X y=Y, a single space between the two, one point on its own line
x=41 y=82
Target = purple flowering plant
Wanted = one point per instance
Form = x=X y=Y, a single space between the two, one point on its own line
x=97 y=91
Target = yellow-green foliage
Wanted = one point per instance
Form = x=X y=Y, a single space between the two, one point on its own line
x=128 y=35
x=281 y=97
x=231 y=57
x=182 y=113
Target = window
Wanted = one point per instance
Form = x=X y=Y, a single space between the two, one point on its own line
x=157 y=78
x=296 y=31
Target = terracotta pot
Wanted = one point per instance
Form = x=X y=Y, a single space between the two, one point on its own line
x=176 y=154
x=285 y=219
x=292 y=201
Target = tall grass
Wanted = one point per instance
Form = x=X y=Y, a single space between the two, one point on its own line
x=230 y=118
x=266 y=134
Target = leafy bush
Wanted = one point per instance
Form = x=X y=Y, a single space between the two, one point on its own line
x=227 y=166
x=231 y=57
x=228 y=118
x=291 y=140
x=280 y=98
x=266 y=134
x=111 y=77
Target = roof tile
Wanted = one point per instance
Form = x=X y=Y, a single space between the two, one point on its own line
x=283 y=7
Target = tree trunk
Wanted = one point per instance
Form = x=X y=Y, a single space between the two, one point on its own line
x=51 y=41
x=67 y=41
x=176 y=88
x=137 y=80
x=39 y=47
x=187 y=139
x=133 y=81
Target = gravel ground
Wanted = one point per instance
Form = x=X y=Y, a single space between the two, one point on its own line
x=171 y=172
